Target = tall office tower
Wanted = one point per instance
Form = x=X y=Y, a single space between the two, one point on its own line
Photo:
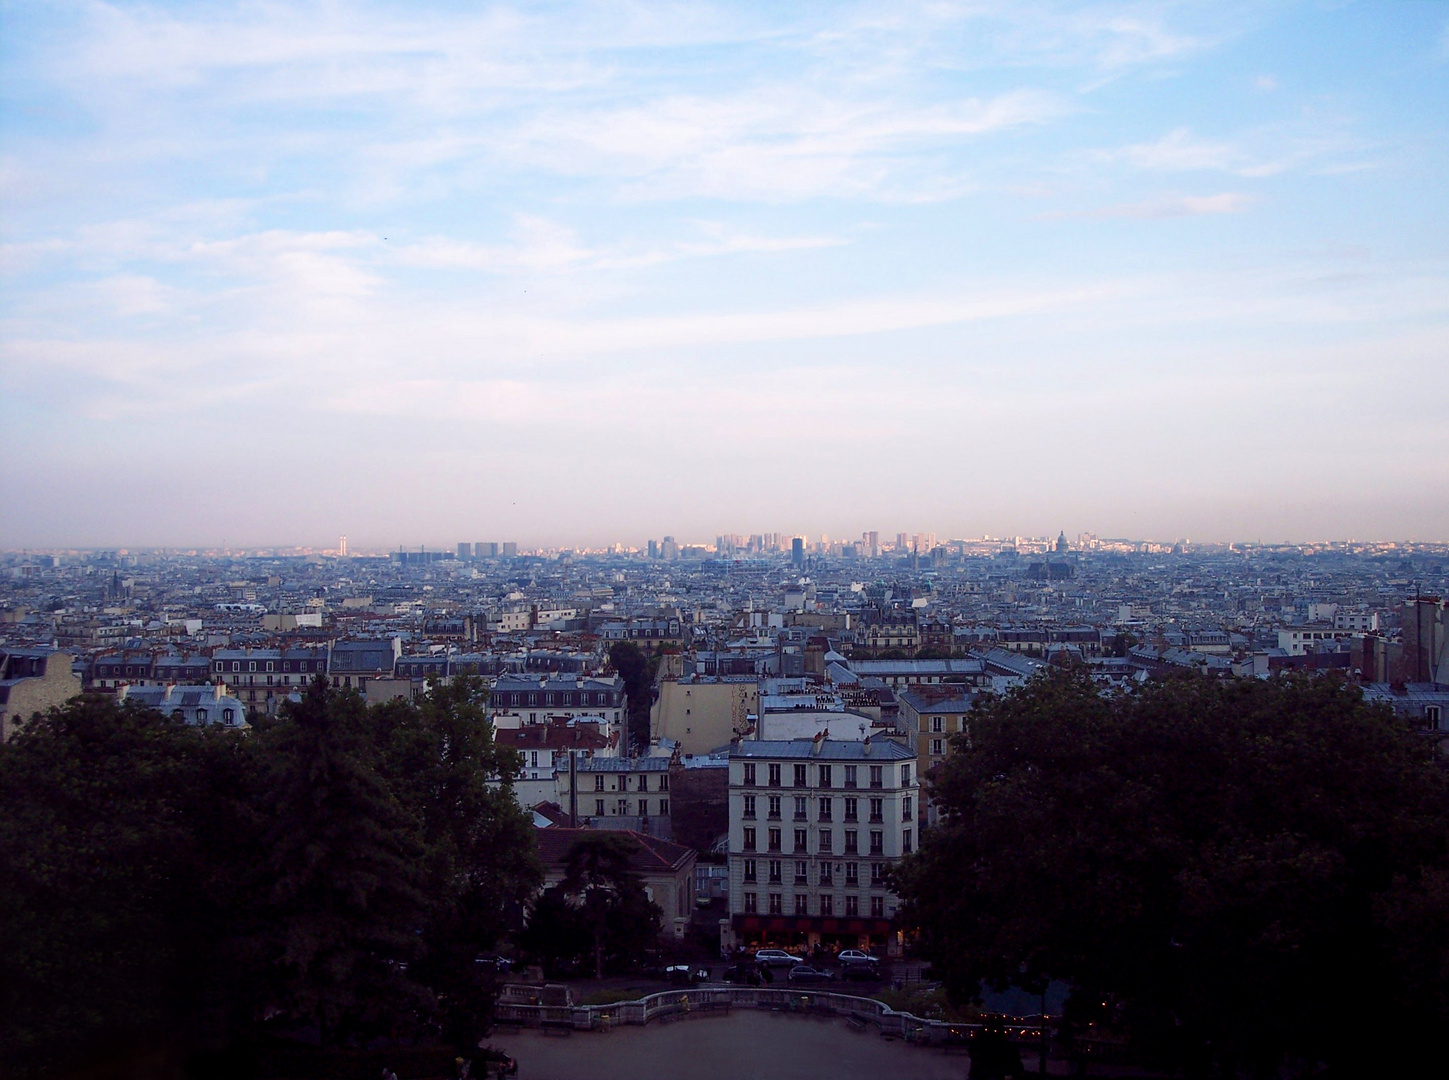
x=654 y=549
x=669 y=550
x=465 y=550
x=342 y=547
x=480 y=549
x=797 y=551
x=510 y=549
x=872 y=543
x=903 y=542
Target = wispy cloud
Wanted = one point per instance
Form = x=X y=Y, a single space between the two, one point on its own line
x=1167 y=206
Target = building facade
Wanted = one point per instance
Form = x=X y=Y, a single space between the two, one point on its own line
x=814 y=826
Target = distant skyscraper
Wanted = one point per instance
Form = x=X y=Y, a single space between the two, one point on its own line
x=797 y=551
x=342 y=547
x=465 y=550
x=510 y=549
x=654 y=549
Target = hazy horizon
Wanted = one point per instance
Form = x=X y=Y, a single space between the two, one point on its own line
x=581 y=274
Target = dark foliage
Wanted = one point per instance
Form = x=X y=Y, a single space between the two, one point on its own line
x=336 y=872
x=1244 y=872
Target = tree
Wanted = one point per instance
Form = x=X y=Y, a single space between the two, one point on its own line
x=439 y=757
x=107 y=932
x=637 y=671
x=1230 y=865
x=343 y=907
x=620 y=918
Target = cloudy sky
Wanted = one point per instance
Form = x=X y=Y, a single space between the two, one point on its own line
x=583 y=273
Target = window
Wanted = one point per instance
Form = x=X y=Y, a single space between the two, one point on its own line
x=774 y=839
x=905 y=776
x=877 y=773
x=852 y=873
x=775 y=871
x=749 y=774
x=827 y=904
x=801 y=811
x=907 y=804
x=825 y=776
x=774 y=806
x=644 y=782
x=825 y=809
x=938 y=747
x=774 y=776
x=623 y=810
x=270 y=666
x=200 y=714
x=776 y=908
x=938 y=725
x=663 y=781
x=749 y=869
x=251 y=665
x=877 y=842
x=826 y=841
x=800 y=776
x=827 y=877
x=749 y=811
x=802 y=905
x=533 y=759
x=598 y=808
x=663 y=806
x=751 y=903
x=877 y=874
x=749 y=838
x=877 y=907
x=598 y=783
x=851 y=808
x=802 y=872
x=877 y=810
x=850 y=776
x=643 y=807
x=851 y=844
x=1431 y=717
x=852 y=905
x=905 y=841
x=800 y=840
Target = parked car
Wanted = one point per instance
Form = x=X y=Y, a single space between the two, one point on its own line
x=804 y=973
x=748 y=974
x=855 y=956
x=860 y=972
x=775 y=958
x=686 y=973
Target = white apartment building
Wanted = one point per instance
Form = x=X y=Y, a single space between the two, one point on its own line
x=814 y=825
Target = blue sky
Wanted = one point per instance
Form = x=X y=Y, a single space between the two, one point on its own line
x=584 y=273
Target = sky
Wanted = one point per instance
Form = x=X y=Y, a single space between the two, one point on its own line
x=576 y=274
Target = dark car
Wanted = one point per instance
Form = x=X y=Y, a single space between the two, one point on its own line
x=804 y=973
x=860 y=972
x=745 y=973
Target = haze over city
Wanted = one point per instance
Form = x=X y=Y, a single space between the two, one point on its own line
x=585 y=274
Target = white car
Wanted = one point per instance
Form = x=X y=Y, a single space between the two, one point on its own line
x=855 y=956
x=775 y=958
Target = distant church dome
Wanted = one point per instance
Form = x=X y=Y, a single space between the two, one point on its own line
x=1062 y=541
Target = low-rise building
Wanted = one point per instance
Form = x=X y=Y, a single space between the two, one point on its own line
x=666 y=870
x=209 y=703
x=617 y=793
x=530 y=699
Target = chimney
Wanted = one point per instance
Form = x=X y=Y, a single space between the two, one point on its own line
x=865 y=746
x=818 y=742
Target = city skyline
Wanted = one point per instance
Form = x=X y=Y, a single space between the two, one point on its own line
x=581 y=272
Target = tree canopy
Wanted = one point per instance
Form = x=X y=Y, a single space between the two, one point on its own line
x=337 y=869
x=1237 y=874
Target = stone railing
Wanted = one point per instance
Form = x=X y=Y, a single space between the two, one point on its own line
x=707 y=1001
